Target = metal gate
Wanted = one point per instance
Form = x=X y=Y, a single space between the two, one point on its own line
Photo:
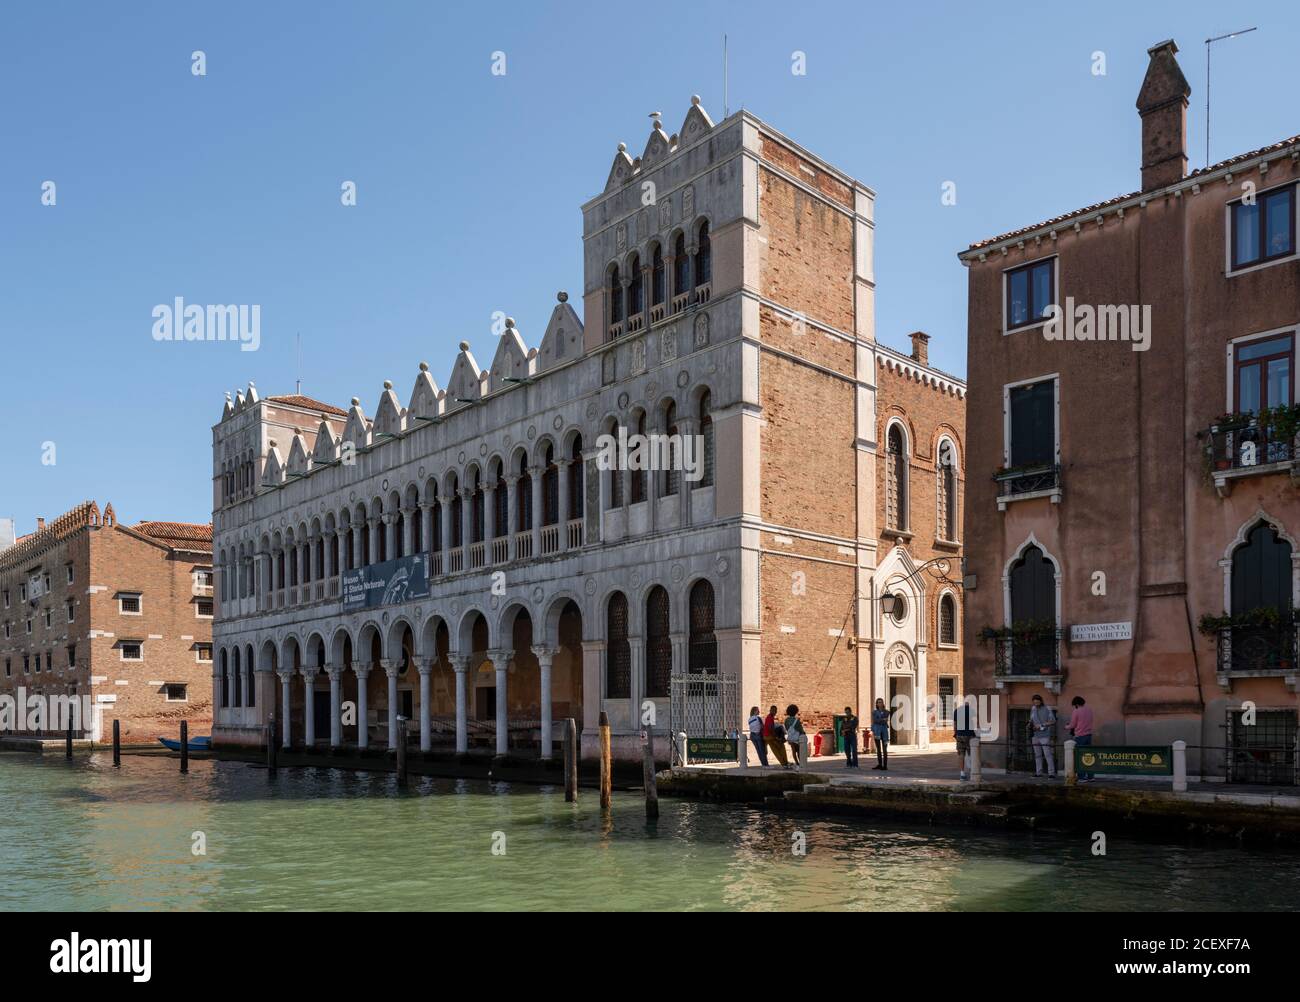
x=1264 y=752
x=704 y=705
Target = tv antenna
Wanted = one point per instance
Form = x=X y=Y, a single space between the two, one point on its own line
x=1217 y=38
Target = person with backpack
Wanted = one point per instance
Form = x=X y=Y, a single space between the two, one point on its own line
x=849 y=730
x=1042 y=735
x=880 y=733
x=756 y=735
x=794 y=734
x=963 y=728
x=774 y=736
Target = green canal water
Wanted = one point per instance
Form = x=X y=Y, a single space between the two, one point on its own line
x=85 y=836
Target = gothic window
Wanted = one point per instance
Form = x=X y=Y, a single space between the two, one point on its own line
x=252 y=678
x=576 y=468
x=947 y=620
x=550 y=490
x=681 y=266
x=618 y=652
x=477 y=512
x=702 y=644
x=657 y=289
x=634 y=304
x=1261 y=572
x=671 y=475
x=502 y=505
x=638 y=476
x=437 y=526
x=457 y=517
x=947 y=490
x=524 y=496
x=615 y=296
x=659 y=645
x=706 y=434
x=225 y=681
x=236 y=674
x=399 y=535
x=895 y=479
x=703 y=257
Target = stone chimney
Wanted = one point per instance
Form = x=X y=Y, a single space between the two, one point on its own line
x=40 y=523
x=920 y=346
x=1162 y=105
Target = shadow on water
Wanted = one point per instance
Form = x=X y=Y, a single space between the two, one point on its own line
x=86 y=836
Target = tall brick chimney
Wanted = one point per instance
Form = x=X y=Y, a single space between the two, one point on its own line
x=1162 y=104
x=921 y=346
x=40 y=523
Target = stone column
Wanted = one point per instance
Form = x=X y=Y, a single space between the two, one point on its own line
x=636 y=647
x=489 y=516
x=512 y=512
x=460 y=663
x=357 y=530
x=408 y=530
x=564 y=513
x=426 y=534
x=426 y=725
x=390 y=535
x=390 y=668
x=686 y=428
x=247 y=683
x=309 y=701
x=336 y=709
x=593 y=683
x=501 y=662
x=373 y=525
x=545 y=658
x=362 y=672
x=536 y=473
x=286 y=728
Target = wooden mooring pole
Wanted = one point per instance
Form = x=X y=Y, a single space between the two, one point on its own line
x=401 y=751
x=117 y=744
x=185 y=746
x=648 y=774
x=270 y=746
x=606 y=766
x=570 y=761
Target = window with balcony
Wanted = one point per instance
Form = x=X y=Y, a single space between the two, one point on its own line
x=1258 y=634
x=1030 y=644
x=658 y=284
x=1030 y=290
x=1031 y=441
x=1263 y=230
x=1261 y=426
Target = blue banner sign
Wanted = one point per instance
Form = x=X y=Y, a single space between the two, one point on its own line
x=388 y=583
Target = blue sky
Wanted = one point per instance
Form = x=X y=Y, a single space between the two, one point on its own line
x=225 y=188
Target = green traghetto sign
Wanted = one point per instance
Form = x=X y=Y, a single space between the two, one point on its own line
x=1127 y=760
x=711 y=750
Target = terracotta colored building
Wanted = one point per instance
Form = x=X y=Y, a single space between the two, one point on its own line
x=728 y=297
x=1132 y=436
x=120 y=614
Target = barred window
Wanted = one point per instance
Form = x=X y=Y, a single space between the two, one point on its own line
x=896 y=480
x=618 y=652
x=659 y=645
x=947 y=491
x=702 y=643
x=706 y=433
x=671 y=475
x=947 y=620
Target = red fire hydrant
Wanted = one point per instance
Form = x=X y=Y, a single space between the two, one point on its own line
x=817 y=743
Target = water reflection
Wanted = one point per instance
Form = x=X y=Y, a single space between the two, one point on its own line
x=86 y=836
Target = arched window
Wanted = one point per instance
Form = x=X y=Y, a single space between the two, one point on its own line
x=1032 y=584
x=524 y=496
x=947 y=619
x=550 y=489
x=634 y=303
x=706 y=435
x=896 y=480
x=225 y=680
x=618 y=653
x=252 y=678
x=671 y=475
x=638 y=476
x=703 y=257
x=399 y=534
x=437 y=544
x=681 y=266
x=615 y=296
x=616 y=476
x=237 y=675
x=1261 y=572
x=702 y=645
x=657 y=284
x=417 y=530
x=947 y=491
x=457 y=517
x=320 y=554
x=501 y=499
x=478 y=516
x=364 y=529
x=576 y=467
x=658 y=643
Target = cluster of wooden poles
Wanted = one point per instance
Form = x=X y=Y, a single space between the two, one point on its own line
x=570 y=759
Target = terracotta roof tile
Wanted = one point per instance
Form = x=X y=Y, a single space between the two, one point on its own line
x=307 y=403
x=1098 y=206
x=176 y=532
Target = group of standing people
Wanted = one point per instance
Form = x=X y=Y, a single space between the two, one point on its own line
x=1042 y=734
x=773 y=733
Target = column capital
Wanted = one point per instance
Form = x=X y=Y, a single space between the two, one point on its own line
x=511 y=479
x=445 y=499
x=335 y=672
x=361 y=669
x=425 y=666
x=500 y=658
x=459 y=662
x=390 y=667
x=308 y=673
x=544 y=654
x=285 y=674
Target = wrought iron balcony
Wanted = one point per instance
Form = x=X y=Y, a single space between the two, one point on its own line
x=1028 y=653
x=1032 y=481
x=1249 y=444
x=1262 y=647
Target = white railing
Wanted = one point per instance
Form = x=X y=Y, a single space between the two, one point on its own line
x=575 y=533
x=279 y=599
x=551 y=538
x=456 y=560
x=656 y=313
x=681 y=301
x=523 y=544
x=435 y=563
x=333 y=587
x=635 y=323
x=318 y=590
x=702 y=292
x=477 y=554
x=615 y=331
x=500 y=549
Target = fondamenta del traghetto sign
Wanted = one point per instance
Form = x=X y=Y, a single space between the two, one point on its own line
x=388 y=583
x=1125 y=760
x=711 y=750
